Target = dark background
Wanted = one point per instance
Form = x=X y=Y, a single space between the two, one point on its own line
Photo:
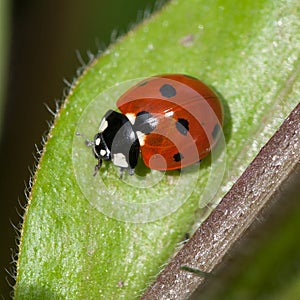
x=44 y=38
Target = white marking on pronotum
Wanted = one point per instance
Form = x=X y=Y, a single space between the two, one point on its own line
x=131 y=117
x=103 y=125
x=141 y=136
x=97 y=141
x=102 y=152
x=119 y=160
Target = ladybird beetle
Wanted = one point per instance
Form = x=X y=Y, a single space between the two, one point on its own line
x=161 y=117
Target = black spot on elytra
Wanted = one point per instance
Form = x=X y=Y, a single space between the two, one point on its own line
x=182 y=125
x=178 y=157
x=215 y=131
x=145 y=122
x=167 y=91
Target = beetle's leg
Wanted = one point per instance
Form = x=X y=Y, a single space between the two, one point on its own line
x=130 y=171
x=98 y=166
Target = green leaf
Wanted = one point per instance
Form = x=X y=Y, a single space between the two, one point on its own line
x=73 y=246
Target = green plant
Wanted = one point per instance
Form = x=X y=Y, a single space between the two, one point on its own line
x=248 y=51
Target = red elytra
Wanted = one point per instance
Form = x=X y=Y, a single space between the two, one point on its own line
x=189 y=119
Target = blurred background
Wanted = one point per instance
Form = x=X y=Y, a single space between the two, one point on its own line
x=38 y=45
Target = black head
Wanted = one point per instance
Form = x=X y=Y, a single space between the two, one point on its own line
x=100 y=149
x=116 y=141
